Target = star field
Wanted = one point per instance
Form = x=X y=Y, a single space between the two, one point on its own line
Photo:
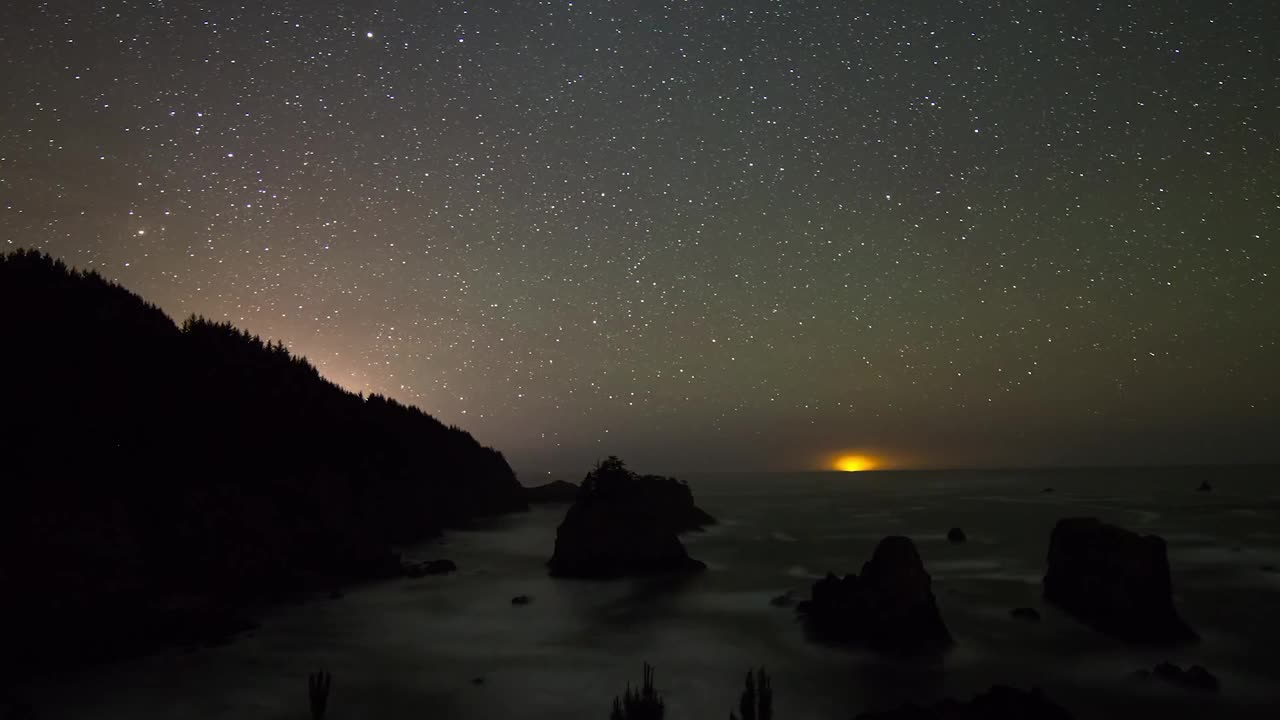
x=736 y=235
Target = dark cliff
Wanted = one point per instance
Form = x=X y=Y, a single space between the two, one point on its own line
x=156 y=475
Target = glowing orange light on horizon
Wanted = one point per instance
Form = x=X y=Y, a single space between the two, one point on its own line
x=854 y=463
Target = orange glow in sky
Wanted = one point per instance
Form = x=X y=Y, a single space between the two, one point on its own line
x=853 y=463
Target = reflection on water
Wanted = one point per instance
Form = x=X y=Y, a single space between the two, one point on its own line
x=455 y=646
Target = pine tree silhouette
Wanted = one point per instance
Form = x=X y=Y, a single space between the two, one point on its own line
x=642 y=704
x=318 y=685
x=756 y=702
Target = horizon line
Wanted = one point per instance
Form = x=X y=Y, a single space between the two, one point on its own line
x=973 y=468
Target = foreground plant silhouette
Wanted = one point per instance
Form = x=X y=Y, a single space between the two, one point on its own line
x=756 y=702
x=642 y=704
x=318 y=684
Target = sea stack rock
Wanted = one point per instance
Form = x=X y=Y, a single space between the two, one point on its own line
x=998 y=703
x=956 y=535
x=626 y=524
x=1205 y=487
x=1114 y=580
x=890 y=608
x=556 y=491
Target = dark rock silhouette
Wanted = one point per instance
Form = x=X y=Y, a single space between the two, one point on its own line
x=1268 y=568
x=1193 y=678
x=147 y=464
x=890 y=608
x=1205 y=487
x=428 y=567
x=956 y=535
x=1115 y=581
x=1025 y=613
x=786 y=599
x=626 y=524
x=556 y=491
x=756 y=701
x=639 y=704
x=1047 y=490
x=318 y=685
x=521 y=600
x=998 y=703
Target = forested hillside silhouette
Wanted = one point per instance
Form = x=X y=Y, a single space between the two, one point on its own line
x=157 y=478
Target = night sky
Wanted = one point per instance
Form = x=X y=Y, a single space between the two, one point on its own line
x=737 y=235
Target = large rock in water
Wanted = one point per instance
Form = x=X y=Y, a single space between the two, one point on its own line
x=890 y=608
x=1114 y=580
x=626 y=524
x=998 y=703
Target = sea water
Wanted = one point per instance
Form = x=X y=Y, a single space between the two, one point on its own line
x=456 y=647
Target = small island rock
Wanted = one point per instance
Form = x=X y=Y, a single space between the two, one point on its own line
x=626 y=524
x=1205 y=487
x=890 y=608
x=1193 y=678
x=1025 y=613
x=956 y=535
x=556 y=491
x=521 y=600
x=786 y=599
x=429 y=567
x=1115 y=581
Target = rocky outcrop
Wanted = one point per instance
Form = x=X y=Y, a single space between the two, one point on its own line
x=786 y=599
x=1025 y=613
x=956 y=535
x=1115 y=581
x=1193 y=678
x=626 y=524
x=521 y=600
x=556 y=491
x=1205 y=487
x=998 y=703
x=428 y=567
x=889 y=608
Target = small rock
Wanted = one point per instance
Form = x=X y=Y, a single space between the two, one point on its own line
x=786 y=599
x=477 y=680
x=1025 y=613
x=335 y=594
x=1205 y=487
x=956 y=535
x=430 y=567
x=1195 y=677
x=1047 y=490
x=521 y=600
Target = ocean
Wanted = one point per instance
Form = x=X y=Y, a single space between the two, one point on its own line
x=455 y=646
